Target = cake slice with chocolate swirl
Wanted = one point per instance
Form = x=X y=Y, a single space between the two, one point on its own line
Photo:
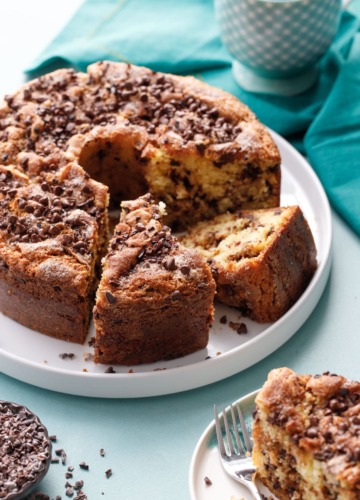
x=307 y=436
x=155 y=299
x=262 y=260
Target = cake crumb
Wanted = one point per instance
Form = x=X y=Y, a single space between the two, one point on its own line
x=91 y=342
x=110 y=369
x=67 y=355
x=242 y=329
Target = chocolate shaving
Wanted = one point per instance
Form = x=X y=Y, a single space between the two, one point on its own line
x=110 y=298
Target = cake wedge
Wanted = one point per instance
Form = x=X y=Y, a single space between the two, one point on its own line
x=307 y=436
x=155 y=299
x=262 y=260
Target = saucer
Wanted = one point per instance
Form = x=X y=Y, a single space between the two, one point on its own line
x=292 y=85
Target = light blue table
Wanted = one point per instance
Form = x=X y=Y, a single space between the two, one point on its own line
x=149 y=442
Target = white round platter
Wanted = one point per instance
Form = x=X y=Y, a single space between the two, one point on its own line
x=34 y=358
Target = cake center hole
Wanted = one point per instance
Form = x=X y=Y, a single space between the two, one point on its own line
x=115 y=164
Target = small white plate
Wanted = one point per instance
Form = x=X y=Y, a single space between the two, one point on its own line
x=206 y=465
x=34 y=358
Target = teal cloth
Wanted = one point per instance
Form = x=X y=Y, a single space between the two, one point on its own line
x=183 y=38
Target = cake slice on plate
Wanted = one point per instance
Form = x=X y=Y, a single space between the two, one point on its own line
x=262 y=260
x=155 y=299
x=307 y=436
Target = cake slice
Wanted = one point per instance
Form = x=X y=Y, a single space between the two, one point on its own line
x=262 y=260
x=307 y=436
x=51 y=239
x=155 y=299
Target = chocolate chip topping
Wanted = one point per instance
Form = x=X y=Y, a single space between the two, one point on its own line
x=110 y=298
x=156 y=239
x=65 y=105
x=331 y=425
x=28 y=215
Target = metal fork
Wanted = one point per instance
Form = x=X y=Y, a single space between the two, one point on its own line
x=236 y=459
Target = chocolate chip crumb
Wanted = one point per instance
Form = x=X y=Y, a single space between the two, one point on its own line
x=67 y=355
x=79 y=484
x=176 y=295
x=242 y=329
x=110 y=298
x=110 y=369
x=234 y=326
x=83 y=466
x=92 y=341
x=69 y=492
x=208 y=481
x=108 y=473
x=39 y=495
x=223 y=320
x=185 y=270
x=53 y=438
x=80 y=495
x=170 y=264
x=102 y=452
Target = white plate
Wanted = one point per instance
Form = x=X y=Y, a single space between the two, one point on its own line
x=205 y=463
x=34 y=358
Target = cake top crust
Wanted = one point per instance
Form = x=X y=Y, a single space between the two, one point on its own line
x=48 y=112
x=321 y=413
x=145 y=261
x=48 y=225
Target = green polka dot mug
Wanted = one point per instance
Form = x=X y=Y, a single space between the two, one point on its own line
x=277 y=43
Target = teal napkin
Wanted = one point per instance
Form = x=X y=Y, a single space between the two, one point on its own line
x=183 y=38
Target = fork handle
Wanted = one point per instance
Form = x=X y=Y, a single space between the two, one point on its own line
x=255 y=492
x=250 y=486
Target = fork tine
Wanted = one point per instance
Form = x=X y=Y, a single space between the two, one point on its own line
x=236 y=431
x=219 y=435
x=244 y=430
x=227 y=432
